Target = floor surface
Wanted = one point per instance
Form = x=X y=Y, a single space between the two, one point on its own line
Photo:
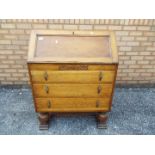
x=133 y=112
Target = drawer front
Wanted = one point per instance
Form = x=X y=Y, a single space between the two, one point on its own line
x=72 y=104
x=71 y=67
x=72 y=90
x=72 y=76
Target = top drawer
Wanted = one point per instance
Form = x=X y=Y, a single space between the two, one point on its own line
x=61 y=67
x=72 y=76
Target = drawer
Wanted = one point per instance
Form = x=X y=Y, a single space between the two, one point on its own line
x=52 y=66
x=71 y=104
x=72 y=76
x=72 y=90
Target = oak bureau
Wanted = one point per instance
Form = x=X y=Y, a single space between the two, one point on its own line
x=72 y=71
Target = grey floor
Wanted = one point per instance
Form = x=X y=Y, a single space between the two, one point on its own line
x=133 y=112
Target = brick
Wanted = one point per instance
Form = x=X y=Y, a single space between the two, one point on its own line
x=141 y=38
x=129 y=28
x=124 y=57
x=5 y=42
x=125 y=48
x=143 y=62
x=150 y=49
x=146 y=43
x=14 y=57
x=55 y=26
x=10 y=70
x=121 y=33
x=16 y=31
x=85 y=27
x=149 y=33
x=3 y=31
x=137 y=57
x=10 y=37
x=9 y=47
x=8 y=26
x=146 y=74
x=135 y=33
x=5 y=74
x=81 y=21
x=130 y=62
x=134 y=66
x=139 y=48
x=128 y=38
x=132 y=53
x=4 y=66
x=19 y=42
x=121 y=43
x=115 y=27
x=70 y=27
x=100 y=27
x=149 y=58
x=17 y=75
x=133 y=74
x=71 y=21
x=143 y=28
x=152 y=38
x=77 y=21
x=23 y=26
x=39 y=26
x=144 y=53
x=132 y=43
x=7 y=61
x=6 y=52
x=86 y=21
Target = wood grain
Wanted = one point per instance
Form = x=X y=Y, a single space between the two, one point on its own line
x=72 y=76
x=51 y=66
x=72 y=90
x=71 y=104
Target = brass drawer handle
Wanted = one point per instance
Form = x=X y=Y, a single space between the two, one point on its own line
x=46 y=89
x=100 y=76
x=97 y=104
x=99 y=89
x=49 y=104
x=46 y=76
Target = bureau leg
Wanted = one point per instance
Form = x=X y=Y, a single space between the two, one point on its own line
x=102 y=120
x=44 y=121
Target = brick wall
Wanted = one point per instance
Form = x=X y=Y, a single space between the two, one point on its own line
x=135 y=40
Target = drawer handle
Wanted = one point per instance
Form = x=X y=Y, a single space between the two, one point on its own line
x=46 y=76
x=97 y=104
x=46 y=89
x=99 y=89
x=49 y=104
x=100 y=76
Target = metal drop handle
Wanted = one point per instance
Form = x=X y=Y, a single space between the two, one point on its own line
x=97 y=104
x=99 y=89
x=46 y=89
x=46 y=76
x=100 y=76
x=49 y=104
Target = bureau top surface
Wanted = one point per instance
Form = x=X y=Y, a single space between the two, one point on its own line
x=72 y=47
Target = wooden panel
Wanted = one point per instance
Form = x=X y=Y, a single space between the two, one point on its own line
x=72 y=76
x=72 y=90
x=71 y=104
x=73 y=47
x=68 y=46
x=48 y=66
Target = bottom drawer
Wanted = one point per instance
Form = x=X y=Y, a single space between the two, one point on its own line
x=72 y=104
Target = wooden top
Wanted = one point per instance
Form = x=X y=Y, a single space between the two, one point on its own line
x=72 y=47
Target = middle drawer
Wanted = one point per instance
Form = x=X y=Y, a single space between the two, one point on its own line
x=72 y=76
x=72 y=90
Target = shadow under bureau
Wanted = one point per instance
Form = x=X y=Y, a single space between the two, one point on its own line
x=72 y=71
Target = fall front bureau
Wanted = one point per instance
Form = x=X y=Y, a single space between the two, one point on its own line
x=72 y=71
